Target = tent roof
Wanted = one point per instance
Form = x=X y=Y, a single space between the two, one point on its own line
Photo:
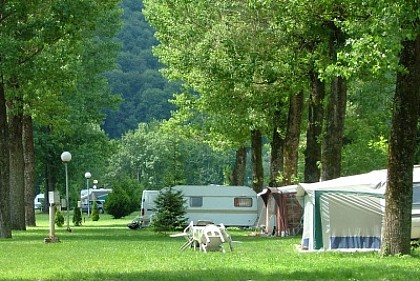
x=277 y=190
x=373 y=182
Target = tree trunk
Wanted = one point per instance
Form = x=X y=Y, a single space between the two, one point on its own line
x=312 y=171
x=17 y=183
x=257 y=165
x=29 y=158
x=277 y=143
x=333 y=141
x=276 y=159
x=402 y=147
x=238 y=173
x=291 y=146
x=5 y=227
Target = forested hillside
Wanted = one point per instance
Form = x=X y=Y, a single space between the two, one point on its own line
x=136 y=78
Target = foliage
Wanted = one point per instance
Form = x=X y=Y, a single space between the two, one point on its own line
x=95 y=212
x=77 y=216
x=158 y=155
x=170 y=211
x=59 y=218
x=70 y=98
x=119 y=204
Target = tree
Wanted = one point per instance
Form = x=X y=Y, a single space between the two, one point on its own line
x=59 y=218
x=388 y=39
x=160 y=154
x=399 y=192
x=5 y=227
x=118 y=203
x=95 y=212
x=229 y=55
x=170 y=211
x=77 y=217
x=41 y=52
x=313 y=134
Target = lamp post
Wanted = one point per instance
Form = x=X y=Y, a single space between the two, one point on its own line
x=88 y=176
x=66 y=157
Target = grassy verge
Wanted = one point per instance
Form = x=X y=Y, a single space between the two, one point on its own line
x=108 y=250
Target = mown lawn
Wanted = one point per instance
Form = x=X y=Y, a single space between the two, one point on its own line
x=108 y=250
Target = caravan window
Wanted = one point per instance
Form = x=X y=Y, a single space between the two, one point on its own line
x=416 y=194
x=242 y=202
x=196 y=201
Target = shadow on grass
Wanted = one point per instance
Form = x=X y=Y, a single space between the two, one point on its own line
x=91 y=233
x=118 y=232
x=212 y=274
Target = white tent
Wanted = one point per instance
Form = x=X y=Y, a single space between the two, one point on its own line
x=347 y=212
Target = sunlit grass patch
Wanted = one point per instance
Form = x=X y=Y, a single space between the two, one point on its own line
x=108 y=250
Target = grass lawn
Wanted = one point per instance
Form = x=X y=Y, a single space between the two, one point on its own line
x=108 y=250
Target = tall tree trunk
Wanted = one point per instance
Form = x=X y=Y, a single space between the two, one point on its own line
x=276 y=159
x=29 y=158
x=312 y=171
x=402 y=146
x=277 y=143
x=238 y=173
x=256 y=157
x=333 y=140
x=291 y=146
x=17 y=166
x=5 y=227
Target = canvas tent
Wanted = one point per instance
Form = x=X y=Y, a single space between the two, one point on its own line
x=279 y=211
x=347 y=212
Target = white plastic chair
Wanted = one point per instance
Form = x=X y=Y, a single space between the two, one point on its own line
x=187 y=233
x=212 y=239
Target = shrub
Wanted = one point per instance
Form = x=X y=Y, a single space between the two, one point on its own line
x=118 y=203
x=170 y=211
x=77 y=217
x=59 y=218
x=95 y=211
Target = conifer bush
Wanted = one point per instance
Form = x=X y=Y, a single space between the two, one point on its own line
x=59 y=218
x=170 y=211
x=77 y=217
x=118 y=203
x=95 y=211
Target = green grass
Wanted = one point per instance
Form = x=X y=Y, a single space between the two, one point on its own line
x=108 y=250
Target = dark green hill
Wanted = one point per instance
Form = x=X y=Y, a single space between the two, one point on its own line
x=137 y=79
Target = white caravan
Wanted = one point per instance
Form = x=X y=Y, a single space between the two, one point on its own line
x=230 y=205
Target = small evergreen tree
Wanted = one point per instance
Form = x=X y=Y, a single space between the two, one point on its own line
x=77 y=217
x=170 y=211
x=59 y=218
x=118 y=203
x=95 y=211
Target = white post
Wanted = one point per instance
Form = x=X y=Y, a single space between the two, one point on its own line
x=67 y=198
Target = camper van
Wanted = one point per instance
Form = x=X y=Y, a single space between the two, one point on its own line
x=148 y=205
x=230 y=205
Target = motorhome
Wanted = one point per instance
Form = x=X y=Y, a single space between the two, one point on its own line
x=230 y=205
x=94 y=194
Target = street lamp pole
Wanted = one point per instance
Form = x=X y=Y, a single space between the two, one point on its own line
x=66 y=157
x=88 y=176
